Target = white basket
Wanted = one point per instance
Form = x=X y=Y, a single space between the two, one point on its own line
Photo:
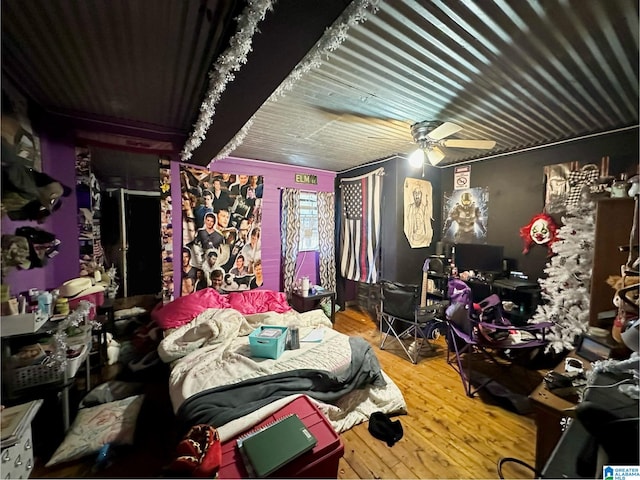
x=73 y=364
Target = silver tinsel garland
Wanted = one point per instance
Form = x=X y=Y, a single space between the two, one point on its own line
x=58 y=359
x=334 y=36
x=222 y=71
x=236 y=55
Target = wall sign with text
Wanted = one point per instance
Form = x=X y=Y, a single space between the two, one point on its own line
x=305 y=178
x=462 y=177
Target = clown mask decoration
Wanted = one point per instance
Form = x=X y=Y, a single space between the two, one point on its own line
x=541 y=230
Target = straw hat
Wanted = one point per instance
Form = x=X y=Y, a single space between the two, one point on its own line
x=79 y=286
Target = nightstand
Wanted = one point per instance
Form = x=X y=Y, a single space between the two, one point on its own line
x=304 y=304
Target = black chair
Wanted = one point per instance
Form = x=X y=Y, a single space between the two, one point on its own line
x=404 y=321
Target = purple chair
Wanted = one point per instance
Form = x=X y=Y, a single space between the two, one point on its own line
x=483 y=328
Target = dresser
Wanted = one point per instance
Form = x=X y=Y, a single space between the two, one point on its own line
x=16 y=459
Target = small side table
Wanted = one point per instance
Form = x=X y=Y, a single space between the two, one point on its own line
x=310 y=302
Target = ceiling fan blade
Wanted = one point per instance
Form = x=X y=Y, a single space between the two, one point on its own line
x=444 y=130
x=435 y=155
x=479 y=144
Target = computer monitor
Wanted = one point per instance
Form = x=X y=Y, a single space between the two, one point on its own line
x=478 y=257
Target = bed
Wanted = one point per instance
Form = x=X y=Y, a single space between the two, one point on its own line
x=214 y=379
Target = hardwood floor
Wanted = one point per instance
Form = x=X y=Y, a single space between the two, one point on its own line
x=446 y=434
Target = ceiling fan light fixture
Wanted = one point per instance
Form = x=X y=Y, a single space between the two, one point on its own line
x=416 y=159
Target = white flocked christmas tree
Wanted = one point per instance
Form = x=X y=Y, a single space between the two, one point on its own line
x=565 y=290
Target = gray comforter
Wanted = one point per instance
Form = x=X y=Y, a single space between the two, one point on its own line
x=217 y=406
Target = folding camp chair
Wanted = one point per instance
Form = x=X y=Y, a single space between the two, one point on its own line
x=483 y=328
x=403 y=319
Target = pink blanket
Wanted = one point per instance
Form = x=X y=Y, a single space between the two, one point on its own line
x=259 y=301
x=184 y=309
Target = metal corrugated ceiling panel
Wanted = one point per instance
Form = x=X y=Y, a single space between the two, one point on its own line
x=522 y=73
x=143 y=60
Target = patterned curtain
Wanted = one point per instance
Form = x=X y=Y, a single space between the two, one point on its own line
x=289 y=236
x=326 y=234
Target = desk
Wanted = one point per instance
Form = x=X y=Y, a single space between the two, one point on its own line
x=590 y=441
x=550 y=410
x=523 y=293
x=310 y=302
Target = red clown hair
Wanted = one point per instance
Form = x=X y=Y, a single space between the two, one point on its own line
x=525 y=232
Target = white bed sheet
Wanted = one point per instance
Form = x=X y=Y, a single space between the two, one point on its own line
x=213 y=350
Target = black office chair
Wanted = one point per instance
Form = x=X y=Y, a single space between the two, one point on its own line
x=403 y=320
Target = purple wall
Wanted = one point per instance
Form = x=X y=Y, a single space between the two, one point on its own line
x=275 y=175
x=58 y=160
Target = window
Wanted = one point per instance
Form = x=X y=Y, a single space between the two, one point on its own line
x=308 y=221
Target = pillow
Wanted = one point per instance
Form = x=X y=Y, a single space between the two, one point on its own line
x=184 y=309
x=113 y=422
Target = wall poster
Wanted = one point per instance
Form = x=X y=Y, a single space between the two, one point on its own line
x=556 y=187
x=465 y=213
x=418 y=212
x=166 y=227
x=221 y=230
x=91 y=252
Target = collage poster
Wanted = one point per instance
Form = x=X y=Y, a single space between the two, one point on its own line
x=465 y=213
x=221 y=226
x=89 y=213
x=166 y=226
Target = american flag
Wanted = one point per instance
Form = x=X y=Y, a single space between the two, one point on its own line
x=360 y=233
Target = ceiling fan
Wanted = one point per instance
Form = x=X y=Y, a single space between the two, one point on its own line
x=431 y=137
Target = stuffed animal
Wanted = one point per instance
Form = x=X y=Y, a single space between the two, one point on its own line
x=627 y=300
x=113 y=349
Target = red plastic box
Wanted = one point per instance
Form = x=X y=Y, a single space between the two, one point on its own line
x=320 y=462
x=97 y=299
